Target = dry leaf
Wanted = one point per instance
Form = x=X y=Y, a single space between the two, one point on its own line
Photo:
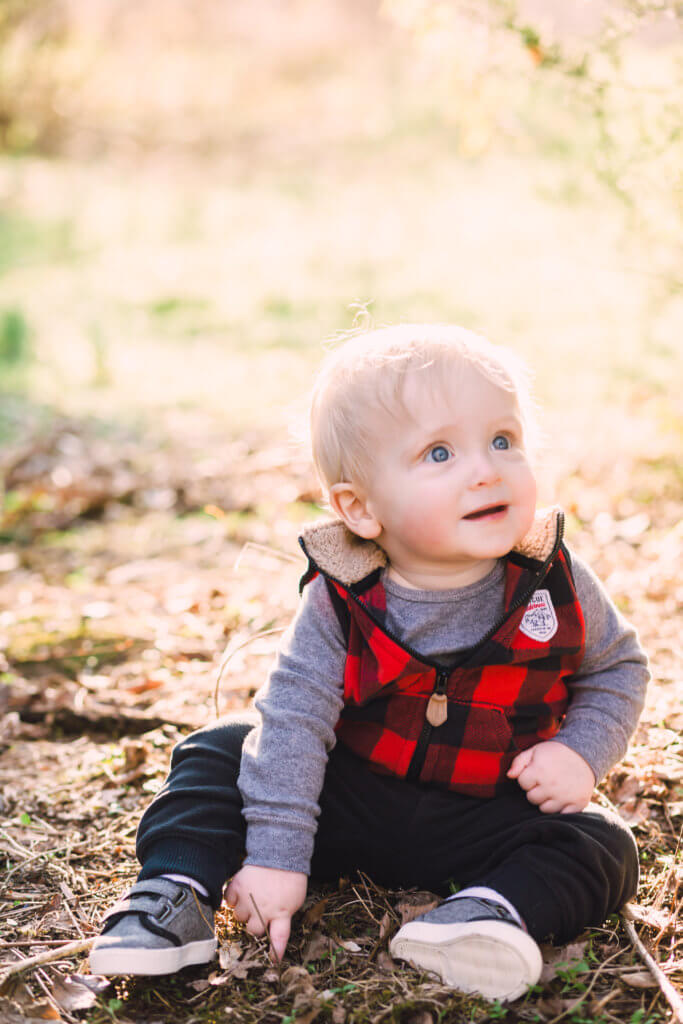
x=634 y=811
x=216 y=979
x=306 y=1016
x=410 y=907
x=338 y=1015
x=350 y=945
x=385 y=926
x=199 y=986
x=229 y=953
x=561 y=958
x=549 y=1007
x=12 y=1013
x=317 y=947
x=659 y=919
x=639 y=979
x=314 y=913
x=73 y=992
x=384 y=962
x=296 y=981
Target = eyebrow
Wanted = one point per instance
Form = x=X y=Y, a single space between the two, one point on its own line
x=442 y=430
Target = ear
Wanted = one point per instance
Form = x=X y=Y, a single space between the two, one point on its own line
x=352 y=507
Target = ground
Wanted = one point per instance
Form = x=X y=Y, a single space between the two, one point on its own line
x=122 y=590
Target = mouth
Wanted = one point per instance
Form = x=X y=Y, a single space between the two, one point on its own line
x=489 y=512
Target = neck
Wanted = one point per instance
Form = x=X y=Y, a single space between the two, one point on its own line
x=440 y=577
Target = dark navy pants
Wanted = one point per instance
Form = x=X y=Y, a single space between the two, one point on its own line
x=563 y=872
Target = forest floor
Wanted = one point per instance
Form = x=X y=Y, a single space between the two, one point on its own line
x=128 y=564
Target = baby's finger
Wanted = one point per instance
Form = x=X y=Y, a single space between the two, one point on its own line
x=528 y=778
x=254 y=925
x=536 y=795
x=519 y=763
x=279 y=934
x=550 y=806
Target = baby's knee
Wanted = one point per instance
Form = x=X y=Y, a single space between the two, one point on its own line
x=220 y=742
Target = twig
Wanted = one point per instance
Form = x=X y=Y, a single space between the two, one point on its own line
x=228 y=654
x=70 y=949
x=668 y=991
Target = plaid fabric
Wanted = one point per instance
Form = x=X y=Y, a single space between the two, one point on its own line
x=503 y=695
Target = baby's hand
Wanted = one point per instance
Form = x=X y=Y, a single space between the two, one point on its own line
x=554 y=776
x=277 y=895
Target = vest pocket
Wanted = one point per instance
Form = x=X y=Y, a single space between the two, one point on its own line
x=472 y=751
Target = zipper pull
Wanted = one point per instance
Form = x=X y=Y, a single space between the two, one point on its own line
x=437 y=708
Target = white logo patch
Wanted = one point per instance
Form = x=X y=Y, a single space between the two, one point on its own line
x=540 y=620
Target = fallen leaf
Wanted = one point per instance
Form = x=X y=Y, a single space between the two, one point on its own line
x=317 y=947
x=314 y=913
x=384 y=962
x=338 y=1015
x=550 y=1007
x=415 y=904
x=639 y=979
x=306 y=1016
x=385 y=926
x=229 y=953
x=76 y=992
x=561 y=958
x=660 y=919
x=634 y=811
x=296 y=981
x=199 y=986
x=216 y=978
x=144 y=685
x=349 y=945
x=12 y=1013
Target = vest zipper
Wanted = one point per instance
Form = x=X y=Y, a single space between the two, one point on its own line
x=443 y=674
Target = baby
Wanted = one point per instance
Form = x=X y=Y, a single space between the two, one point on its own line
x=453 y=686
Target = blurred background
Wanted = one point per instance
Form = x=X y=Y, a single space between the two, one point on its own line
x=195 y=198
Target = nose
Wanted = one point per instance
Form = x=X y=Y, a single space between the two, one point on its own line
x=483 y=470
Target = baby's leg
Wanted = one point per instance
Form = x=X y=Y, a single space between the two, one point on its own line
x=194 y=826
x=190 y=840
x=525 y=875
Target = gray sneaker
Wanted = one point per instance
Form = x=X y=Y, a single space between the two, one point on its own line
x=472 y=944
x=158 y=927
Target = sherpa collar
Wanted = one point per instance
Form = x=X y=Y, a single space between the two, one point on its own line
x=349 y=559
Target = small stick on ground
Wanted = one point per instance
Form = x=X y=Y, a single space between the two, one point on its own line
x=69 y=949
x=668 y=991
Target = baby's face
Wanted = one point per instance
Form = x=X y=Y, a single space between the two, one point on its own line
x=453 y=489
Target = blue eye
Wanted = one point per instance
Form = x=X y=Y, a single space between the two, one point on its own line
x=500 y=443
x=439 y=453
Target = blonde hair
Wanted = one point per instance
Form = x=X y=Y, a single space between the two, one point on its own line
x=367 y=373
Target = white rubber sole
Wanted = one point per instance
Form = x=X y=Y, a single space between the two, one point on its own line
x=492 y=958
x=110 y=960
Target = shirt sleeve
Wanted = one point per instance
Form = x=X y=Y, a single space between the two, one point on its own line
x=608 y=691
x=285 y=756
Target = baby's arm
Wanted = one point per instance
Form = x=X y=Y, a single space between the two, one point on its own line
x=283 y=767
x=606 y=698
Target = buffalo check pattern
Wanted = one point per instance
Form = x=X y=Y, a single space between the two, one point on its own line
x=504 y=694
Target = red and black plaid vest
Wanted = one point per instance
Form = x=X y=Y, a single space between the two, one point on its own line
x=499 y=697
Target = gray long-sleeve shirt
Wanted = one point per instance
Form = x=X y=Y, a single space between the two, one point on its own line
x=284 y=759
